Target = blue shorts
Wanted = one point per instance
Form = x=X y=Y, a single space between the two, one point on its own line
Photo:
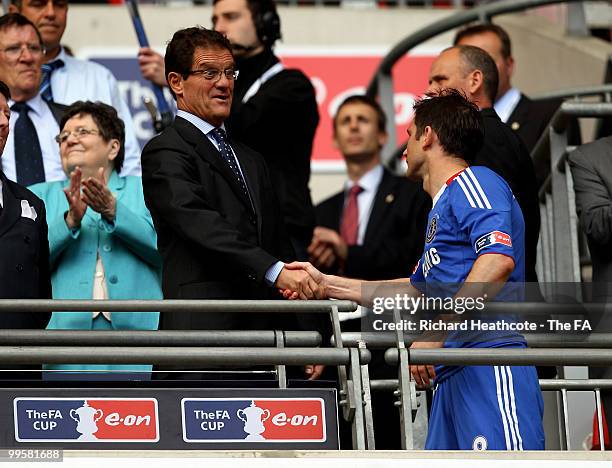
x=487 y=408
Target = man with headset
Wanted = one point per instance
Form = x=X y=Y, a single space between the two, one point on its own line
x=274 y=109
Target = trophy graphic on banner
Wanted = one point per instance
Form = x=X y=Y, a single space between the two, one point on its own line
x=253 y=421
x=86 y=419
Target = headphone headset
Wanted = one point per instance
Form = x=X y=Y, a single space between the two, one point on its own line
x=267 y=23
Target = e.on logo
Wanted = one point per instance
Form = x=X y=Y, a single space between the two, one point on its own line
x=86 y=420
x=254 y=420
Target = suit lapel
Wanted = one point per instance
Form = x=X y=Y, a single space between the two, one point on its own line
x=519 y=114
x=208 y=152
x=384 y=199
x=11 y=206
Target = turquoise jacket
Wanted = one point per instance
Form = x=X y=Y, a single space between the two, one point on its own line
x=127 y=247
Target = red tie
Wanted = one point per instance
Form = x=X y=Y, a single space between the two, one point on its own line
x=349 y=228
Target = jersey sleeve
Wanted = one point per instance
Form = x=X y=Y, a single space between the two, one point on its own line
x=482 y=205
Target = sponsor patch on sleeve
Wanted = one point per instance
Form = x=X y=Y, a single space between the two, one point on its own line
x=495 y=237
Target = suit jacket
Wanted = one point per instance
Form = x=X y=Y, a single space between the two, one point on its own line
x=212 y=243
x=591 y=166
x=529 y=119
x=127 y=247
x=505 y=153
x=24 y=250
x=395 y=233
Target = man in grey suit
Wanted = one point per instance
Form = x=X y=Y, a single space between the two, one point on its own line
x=591 y=166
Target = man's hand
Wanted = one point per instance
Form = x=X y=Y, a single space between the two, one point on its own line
x=421 y=374
x=314 y=371
x=152 y=66
x=76 y=205
x=315 y=275
x=298 y=282
x=326 y=247
x=99 y=197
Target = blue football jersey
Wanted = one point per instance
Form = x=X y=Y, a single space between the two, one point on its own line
x=473 y=214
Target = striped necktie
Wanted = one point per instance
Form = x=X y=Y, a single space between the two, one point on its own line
x=28 y=155
x=45 y=85
x=230 y=159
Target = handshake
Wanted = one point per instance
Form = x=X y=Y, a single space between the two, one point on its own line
x=301 y=280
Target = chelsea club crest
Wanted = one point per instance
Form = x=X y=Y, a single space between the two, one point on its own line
x=431 y=229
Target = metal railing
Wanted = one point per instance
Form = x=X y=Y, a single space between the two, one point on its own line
x=558 y=250
x=197 y=348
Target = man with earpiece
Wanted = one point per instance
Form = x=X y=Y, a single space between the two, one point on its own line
x=274 y=109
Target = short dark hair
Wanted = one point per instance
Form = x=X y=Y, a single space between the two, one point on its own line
x=184 y=42
x=482 y=28
x=265 y=19
x=456 y=121
x=477 y=59
x=5 y=91
x=16 y=20
x=107 y=120
x=368 y=101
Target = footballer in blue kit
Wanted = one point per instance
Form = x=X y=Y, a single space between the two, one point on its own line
x=474 y=248
x=478 y=407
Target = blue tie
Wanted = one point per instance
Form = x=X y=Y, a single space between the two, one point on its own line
x=229 y=158
x=45 y=85
x=28 y=155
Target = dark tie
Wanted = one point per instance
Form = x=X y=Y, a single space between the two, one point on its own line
x=45 y=85
x=230 y=159
x=28 y=156
x=349 y=227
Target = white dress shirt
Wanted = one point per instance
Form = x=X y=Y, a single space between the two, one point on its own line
x=1 y=196
x=46 y=129
x=82 y=80
x=505 y=105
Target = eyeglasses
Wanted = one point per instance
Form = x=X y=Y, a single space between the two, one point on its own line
x=13 y=52
x=212 y=74
x=78 y=134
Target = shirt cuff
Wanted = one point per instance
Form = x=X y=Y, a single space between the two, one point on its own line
x=273 y=273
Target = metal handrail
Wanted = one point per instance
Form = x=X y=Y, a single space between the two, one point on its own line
x=505 y=357
x=584 y=91
x=384 y=340
x=545 y=384
x=182 y=338
x=171 y=305
x=189 y=356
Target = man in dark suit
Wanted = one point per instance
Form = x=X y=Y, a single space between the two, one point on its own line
x=24 y=248
x=591 y=166
x=529 y=119
x=274 y=110
x=31 y=154
x=379 y=234
x=219 y=226
x=472 y=70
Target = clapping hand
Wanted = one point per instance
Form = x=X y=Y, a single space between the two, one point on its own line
x=76 y=205
x=98 y=196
